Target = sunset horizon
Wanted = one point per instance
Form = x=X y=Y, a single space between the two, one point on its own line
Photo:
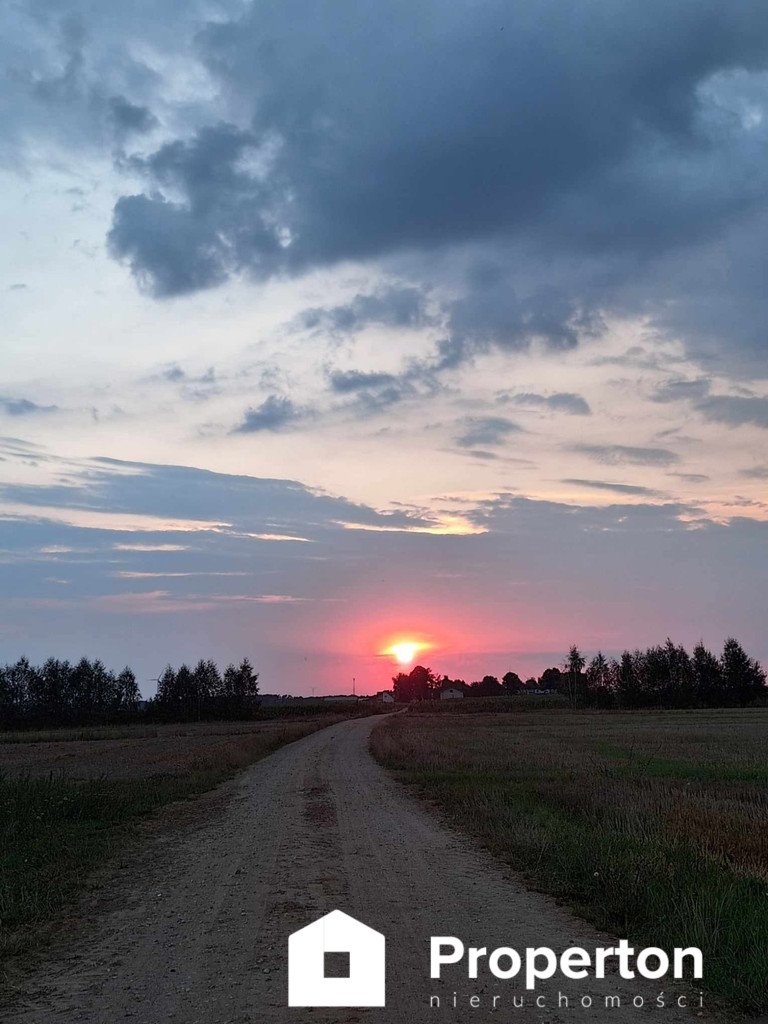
x=294 y=373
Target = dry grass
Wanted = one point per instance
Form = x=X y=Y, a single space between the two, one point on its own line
x=134 y=752
x=654 y=824
x=67 y=806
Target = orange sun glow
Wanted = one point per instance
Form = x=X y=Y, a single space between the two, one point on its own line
x=404 y=651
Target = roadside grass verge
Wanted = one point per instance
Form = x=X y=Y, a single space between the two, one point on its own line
x=55 y=831
x=673 y=858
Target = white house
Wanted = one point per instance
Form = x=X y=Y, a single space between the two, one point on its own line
x=386 y=697
x=451 y=693
x=309 y=980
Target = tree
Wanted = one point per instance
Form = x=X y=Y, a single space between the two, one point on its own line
x=129 y=695
x=600 y=679
x=240 y=688
x=743 y=677
x=419 y=684
x=511 y=682
x=550 y=679
x=14 y=692
x=488 y=686
x=707 y=676
x=401 y=687
x=207 y=686
x=424 y=682
x=628 y=680
x=574 y=666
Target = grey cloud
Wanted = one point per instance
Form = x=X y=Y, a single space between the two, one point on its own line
x=559 y=149
x=606 y=485
x=193 y=386
x=130 y=118
x=247 y=503
x=542 y=562
x=494 y=312
x=619 y=454
x=23 y=406
x=486 y=430
x=373 y=400
x=167 y=249
x=755 y=473
x=345 y=381
x=273 y=414
x=391 y=307
x=561 y=401
x=692 y=478
x=735 y=410
x=172 y=373
x=679 y=389
x=72 y=77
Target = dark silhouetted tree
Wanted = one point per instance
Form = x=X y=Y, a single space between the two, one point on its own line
x=573 y=668
x=550 y=679
x=488 y=686
x=419 y=684
x=743 y=677
x=511 y=682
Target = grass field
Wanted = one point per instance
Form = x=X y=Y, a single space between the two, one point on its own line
x=68 y=803
x=653 y=825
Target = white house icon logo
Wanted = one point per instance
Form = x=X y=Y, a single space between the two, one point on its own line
x=336 y=961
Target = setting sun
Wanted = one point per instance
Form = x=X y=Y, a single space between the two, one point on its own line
x=405 y=651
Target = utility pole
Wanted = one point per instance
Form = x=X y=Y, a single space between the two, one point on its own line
x=353 y=687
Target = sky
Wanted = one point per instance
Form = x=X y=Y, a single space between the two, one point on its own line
x=331 y=324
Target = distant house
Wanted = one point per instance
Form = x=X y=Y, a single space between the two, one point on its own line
x=386 y=697
x=451 y=692
x=340 y=698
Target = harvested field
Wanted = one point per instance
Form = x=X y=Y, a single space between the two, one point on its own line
x=137 y=752
x=650 y=824
x=69 y=805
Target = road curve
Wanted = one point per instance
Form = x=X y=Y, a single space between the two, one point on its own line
x=195 y=930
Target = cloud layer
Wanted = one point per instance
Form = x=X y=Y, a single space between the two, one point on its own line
x=584 y=161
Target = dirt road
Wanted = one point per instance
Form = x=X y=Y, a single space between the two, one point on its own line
x=195 y=930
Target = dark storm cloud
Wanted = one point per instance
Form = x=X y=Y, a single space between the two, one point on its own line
x=561 y=401
x=605 y=485
x=486 y=430
x=620 y=454
x=23 y=406
x=590 y=146
x=274 y=413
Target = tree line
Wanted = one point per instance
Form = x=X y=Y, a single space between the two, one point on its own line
x=62 y=693
x=662 y=676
